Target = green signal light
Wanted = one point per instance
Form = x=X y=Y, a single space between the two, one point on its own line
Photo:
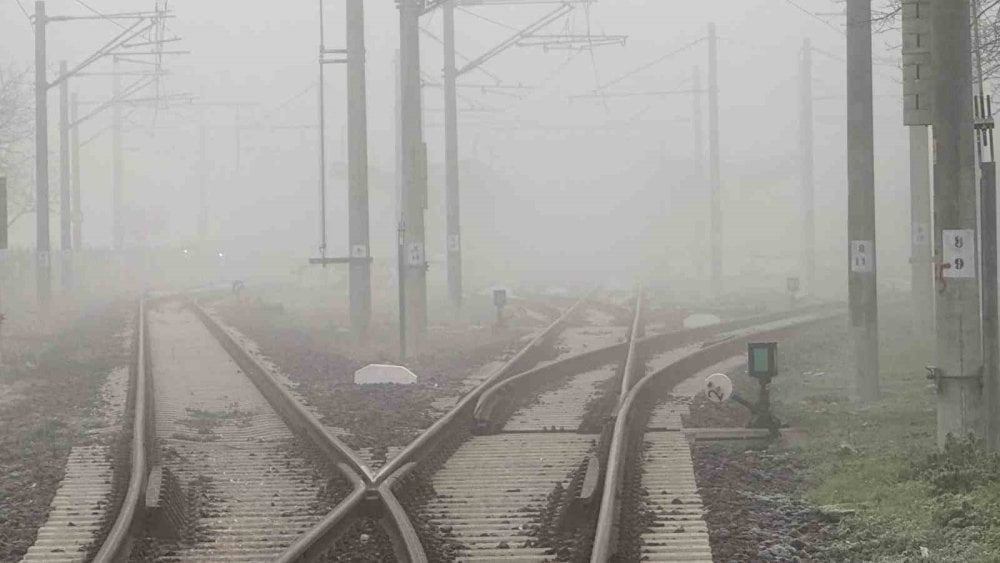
x=762 y=359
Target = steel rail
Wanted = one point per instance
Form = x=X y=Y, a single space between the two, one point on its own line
x=637 y=331
x=310 y=546
x=380 y=484
x=287 y=406
x=491 y=400
x=628 y=414
x=406 y=540
x=116 y=544
x=467 y=403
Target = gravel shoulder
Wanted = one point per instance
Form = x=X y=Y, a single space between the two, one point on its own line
x=320 y=359
x=50 y=398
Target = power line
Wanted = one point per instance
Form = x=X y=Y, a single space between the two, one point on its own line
x=25 y=12
x=490 y=20
x=652 y=63
x=815 y=17
x=98 y=13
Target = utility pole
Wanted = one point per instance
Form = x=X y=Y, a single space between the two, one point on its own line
x=414 y=171
x=118 y=228
x=202 y=180
x=74 y=114
x=359 y=260
x=44 y=265
x=921 y=260
x=988 y=222
x=715 y=181
x=959 y=338
x=65 y=215
x=806 y=154
x=698 y=128
x=357 y=154
x=917 y=117
x=862 y=261
x=699 y=143
x=528 y=36
x=42 y=85
x=454 y=240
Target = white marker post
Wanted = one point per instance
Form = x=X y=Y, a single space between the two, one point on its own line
x=718 y=388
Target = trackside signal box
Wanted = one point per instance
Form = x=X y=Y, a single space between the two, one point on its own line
x=499 y=298
x=762 y=360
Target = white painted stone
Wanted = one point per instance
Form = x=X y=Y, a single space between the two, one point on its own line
x=384 y=373
x=701 y=319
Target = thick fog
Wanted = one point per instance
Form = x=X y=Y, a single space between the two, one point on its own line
x=550 y=182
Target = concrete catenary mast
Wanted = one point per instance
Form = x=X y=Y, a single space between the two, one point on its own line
x=806 y=168
x=862 y=263
x=715 y=180
x=958 y=353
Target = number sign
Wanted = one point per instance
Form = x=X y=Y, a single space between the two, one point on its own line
x=415 y=254
x=862 y=256
x=959 y=250
x=718 y=388
x=499 y=298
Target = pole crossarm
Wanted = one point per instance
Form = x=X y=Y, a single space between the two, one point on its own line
x=125 y=36
x=148 y=43
x=120 y=16
x=554 y=42
x=653 y=94
x=651 y=63
x=435 y=4
x=481 y=68
x=146 y=53
x=122 y=98
x=513 y=40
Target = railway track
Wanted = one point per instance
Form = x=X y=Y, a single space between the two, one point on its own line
x=535 y=463
x=224 y=465
x=535 y=456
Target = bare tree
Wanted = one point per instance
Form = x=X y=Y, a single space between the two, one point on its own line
x=17 y=129
x=887 y=15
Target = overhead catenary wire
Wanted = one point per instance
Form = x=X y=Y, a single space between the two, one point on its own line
x=486 y=19
x=99 y=13
x=815 y=17
x=26 y=14
x=652 y=63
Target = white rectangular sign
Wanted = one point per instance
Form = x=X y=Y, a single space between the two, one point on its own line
x=454 y=243
x=959 y=252
x=415 y=254
x=862 y=256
